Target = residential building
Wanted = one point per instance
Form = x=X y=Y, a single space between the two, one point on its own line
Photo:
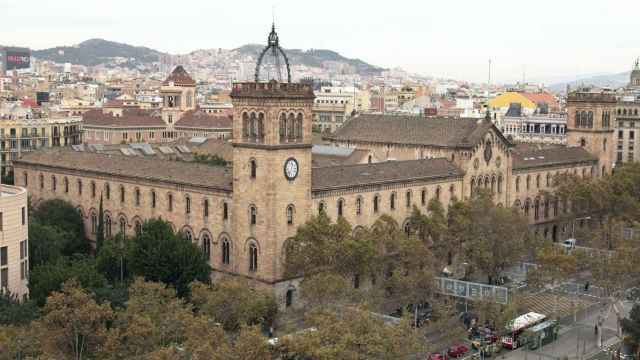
x=14 y=247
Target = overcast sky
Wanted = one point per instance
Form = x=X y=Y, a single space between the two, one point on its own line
x=547 y=40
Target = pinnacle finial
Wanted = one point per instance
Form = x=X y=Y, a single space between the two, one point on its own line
x=637 y=64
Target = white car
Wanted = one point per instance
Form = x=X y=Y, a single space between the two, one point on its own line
x=569 y=244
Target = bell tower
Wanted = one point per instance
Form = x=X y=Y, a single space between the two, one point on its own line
x=271 y=168
x=590 y=124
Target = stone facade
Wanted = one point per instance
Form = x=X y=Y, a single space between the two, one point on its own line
x=14 y=249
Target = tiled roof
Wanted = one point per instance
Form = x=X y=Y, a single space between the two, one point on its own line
x=413 y=130
x=179 y=77
x=537 y=98
x=532 y=156
x=200 y=119
x=129 y=118
x=144 y=168
x=346 y=176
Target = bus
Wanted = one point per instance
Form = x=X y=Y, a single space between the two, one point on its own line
x=512 y=340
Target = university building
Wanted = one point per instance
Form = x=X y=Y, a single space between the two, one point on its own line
x=242 y=215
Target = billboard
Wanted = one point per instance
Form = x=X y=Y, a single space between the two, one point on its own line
x=473 y=291
x=16 y=58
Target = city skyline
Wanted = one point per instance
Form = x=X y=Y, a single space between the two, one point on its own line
x=548 y=43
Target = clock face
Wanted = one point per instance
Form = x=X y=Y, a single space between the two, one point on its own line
x=291 y=168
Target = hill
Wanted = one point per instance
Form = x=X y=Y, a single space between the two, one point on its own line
x=606 y=80
x=99 y=52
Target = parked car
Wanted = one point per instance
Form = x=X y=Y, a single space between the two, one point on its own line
x=437 y=356
x=457 y=350
x=569 y=244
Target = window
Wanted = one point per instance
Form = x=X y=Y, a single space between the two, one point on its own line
x=122 y=197
x=253 y=258
x=206 y=246
x=253 y=166
x=187 y=205
x=583 y=142
x=226 y=251
x=499 y=184
x=527 y=205
x=122 y=226
x=205 y=208
x=253 y=215
x=79 y=187
x=24 y=265
x=41 y=181
x=376 y=203
x=536 y=209
x=358 y=205
x=25 y=179
x=107 y=191
x=225 y=211
x=4 y=268
x=423 y=197
x=408 y=199
x=107 y=226
x=340 y=207
x=528 y=182
x=94 y=223
x=392 y=201
x=93 y=189
x=321 y=208
x=290 y=215
x=548 y=179
x=538 y=181
x=54 y=183
x=407 y=228
x=137 y=196
x=24 y=217
x=138 y=227
x=1 y=222
x=153 y=199
x=438 y=193
x=170 y=202
x=518 y=184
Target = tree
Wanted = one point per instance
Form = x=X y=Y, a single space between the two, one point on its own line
x=354 y=333
x=45 y=279
x=234 y=304
x=493 y=237
x=631 y=326
x=46 y=243
x=74 y=325
x=159 y=254
x=62 y=215
x=14 y=312
x=113 y=259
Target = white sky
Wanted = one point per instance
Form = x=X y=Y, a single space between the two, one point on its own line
x=549 y=40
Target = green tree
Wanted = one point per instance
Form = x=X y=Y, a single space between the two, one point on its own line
x=45 y=279
x=46 y=243
x=74 y=326
x=631 y=326
x=234 y=304
x=64 y=216
x=14 y=312
x=159 y=254
x=113 y=259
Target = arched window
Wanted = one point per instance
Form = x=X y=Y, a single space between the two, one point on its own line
x=226 y=251
x=188 y=235
x=584 y=173
x=555 y=206
x=517 y=183
x=578 y=120
x=187 y=205
x=299 y=127
x=107 y=191
x=107 y=225
x=170 y=202
x=369 y=159
x=137 y=196
x=376 y=203
x=452 y=191
x=493 y=184
x=122 y=197
x=546 y=208
x=583 y=142
x=260 y=131
x=407 y=228
x=253 y=168
x=138 y=227
x=407 y=199
x=205 y=208
x=53 y=183
x=245 y=125
x=472 y=186
x=253 y=215
x=122 y=226
x=206 y=246
x=500 y=184
x=438 y=193
x=253 y=258
x=423 y=197
x=548 y=179
x=604 y=145
x=79 y=187
x=25 y=179
x=252 y=126
x=528 y=182
x=283 y=127
x=604 y=171
x=93 y=189
x=291 y=127
x=290 y=210
x=536 y=209
x=358 y=205
x=516 y=206
x=153 y=199
x=41 y=181
x=590 y=120
x=538 y=181
x=340 y=207
x=225 y=211
x=392 y=201
x=94 y=223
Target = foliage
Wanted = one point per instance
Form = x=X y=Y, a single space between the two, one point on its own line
x=74 y=325
x=554 y=265
x=113 y=259
x=209 y=159
x=234 y=304
x=45 y=279
x=354 y=333
x=14 y=312
x=631 y=325
x=18 y=342
x=63 y=216
x=493 y=238
x=159 y=254
x=46 y=243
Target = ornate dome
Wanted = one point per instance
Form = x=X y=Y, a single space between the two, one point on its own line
x=273 y=63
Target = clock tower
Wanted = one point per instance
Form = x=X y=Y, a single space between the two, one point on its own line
x=271 y=168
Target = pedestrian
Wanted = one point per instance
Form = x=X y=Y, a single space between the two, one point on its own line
x=586 y=286
x=596 y=330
